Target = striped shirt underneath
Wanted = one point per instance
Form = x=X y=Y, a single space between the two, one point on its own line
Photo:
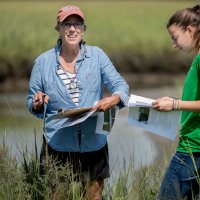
x=69 y=79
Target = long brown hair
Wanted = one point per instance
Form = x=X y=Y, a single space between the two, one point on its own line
x=188 y=17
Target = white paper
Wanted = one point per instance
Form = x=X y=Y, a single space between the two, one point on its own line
x=105 y=121
x=165 y=124
x=139 y=101
x=74 y=116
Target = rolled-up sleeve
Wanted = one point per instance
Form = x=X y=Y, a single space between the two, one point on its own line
x=113 y=80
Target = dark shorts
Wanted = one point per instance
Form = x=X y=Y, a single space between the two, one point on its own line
x=86 y=166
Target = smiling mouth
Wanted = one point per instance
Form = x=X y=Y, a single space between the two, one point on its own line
x=71 y=36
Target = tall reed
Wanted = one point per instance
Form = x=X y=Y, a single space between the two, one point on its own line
x=22 y=179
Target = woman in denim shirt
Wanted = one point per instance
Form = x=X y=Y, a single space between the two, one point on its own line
x=72 y=75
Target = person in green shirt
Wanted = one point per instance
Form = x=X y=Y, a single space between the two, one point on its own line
x=181 y=180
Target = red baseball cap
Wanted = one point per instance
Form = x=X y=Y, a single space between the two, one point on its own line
x=66 y=11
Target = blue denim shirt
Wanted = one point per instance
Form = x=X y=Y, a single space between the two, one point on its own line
x=94 y=69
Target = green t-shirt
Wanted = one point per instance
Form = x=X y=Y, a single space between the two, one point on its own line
x=189 y=140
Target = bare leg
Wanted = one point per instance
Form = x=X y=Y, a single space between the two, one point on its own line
x=93 y=189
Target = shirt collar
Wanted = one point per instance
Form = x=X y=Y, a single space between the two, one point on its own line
x=85 y=52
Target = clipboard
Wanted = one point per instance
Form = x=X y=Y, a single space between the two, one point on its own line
x=71 y=113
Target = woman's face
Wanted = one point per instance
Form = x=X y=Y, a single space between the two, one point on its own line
x=71 y=30
x=182 y=39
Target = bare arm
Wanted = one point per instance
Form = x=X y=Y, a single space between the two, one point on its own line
x=193 y=106
x=168 y=103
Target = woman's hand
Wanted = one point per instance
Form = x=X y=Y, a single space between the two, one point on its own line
x=106 y=103
x=39 y=99
x=163 y=104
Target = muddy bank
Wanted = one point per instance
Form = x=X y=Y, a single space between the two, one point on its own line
x=152 y=80
x=135 y=81
x=143 y=67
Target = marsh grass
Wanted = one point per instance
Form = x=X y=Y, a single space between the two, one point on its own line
x=11 y=177
x=22 y=180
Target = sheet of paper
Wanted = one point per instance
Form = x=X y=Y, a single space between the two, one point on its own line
x=105 y=121
x=139 y=101
x=165 y=124
x=74 y=116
